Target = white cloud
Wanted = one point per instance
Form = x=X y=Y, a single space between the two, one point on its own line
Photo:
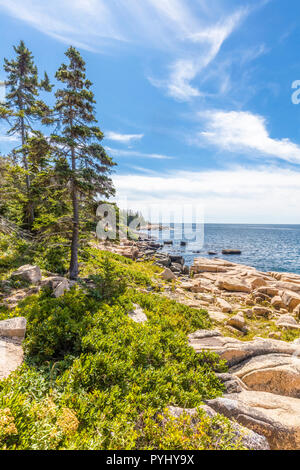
x=178 y=84
x=8 y=138
x=241 y=195
x=160 y=23
x=240 y=131
x=209 y=41
x=4 y=137
x=134 y=153
x=122 y=138
x=190 y=34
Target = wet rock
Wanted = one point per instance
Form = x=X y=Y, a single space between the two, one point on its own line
x=185 y=270
x=177 y=259
x=175 y=267
x=231 y=252
x=163 y=260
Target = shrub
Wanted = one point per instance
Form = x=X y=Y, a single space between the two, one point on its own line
x=56 y=326
x=186 y=432
x=108 y=284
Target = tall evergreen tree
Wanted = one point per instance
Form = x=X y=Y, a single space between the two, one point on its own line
x=78 y=140
x=22 y=106
x=48 y=191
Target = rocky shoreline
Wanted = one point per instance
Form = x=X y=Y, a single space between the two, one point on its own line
x=253 y=313
x=255 y=328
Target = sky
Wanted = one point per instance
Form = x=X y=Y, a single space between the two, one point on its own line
x=197 y=98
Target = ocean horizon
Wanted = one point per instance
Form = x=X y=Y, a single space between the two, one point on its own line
x=266 y=247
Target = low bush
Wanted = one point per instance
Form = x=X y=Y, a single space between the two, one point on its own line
x=95 y=379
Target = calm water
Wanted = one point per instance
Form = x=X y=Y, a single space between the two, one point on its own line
x=266 y=247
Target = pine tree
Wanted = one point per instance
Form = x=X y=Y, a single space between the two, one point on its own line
x=48 y=191
x=78 y=140
x=22 y=106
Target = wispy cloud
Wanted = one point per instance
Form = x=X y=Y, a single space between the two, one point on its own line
x=189 y=34
x=260 y=195
x=4 y=137
x=134 y=153
x=240 y=131
x=178 y=84
x=209 y=41
x=8 y=138
x=122 y=138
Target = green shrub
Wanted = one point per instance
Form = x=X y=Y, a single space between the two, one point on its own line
x=108 y=284
x=95 y=379
x=134 y=274
x=186 y=432
x=56 y=326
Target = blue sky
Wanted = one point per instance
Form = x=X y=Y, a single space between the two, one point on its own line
x=194 y=96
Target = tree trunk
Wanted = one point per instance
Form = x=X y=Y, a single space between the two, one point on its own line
x=75 y=235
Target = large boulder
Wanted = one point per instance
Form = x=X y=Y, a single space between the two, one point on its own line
x=232 y=284
x=235 y=351
x=58 y=284
x=273 y=416
x=267 y=290
x=291 y=300
x=167 y=275
x=28 y=273
x=13 y=328
x=210 y=265
x=61 y=288
x=238 y=321
x=274 y=373
x=287 y=322
x=11 y=357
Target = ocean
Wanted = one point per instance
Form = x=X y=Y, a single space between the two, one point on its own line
x=265 y=247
